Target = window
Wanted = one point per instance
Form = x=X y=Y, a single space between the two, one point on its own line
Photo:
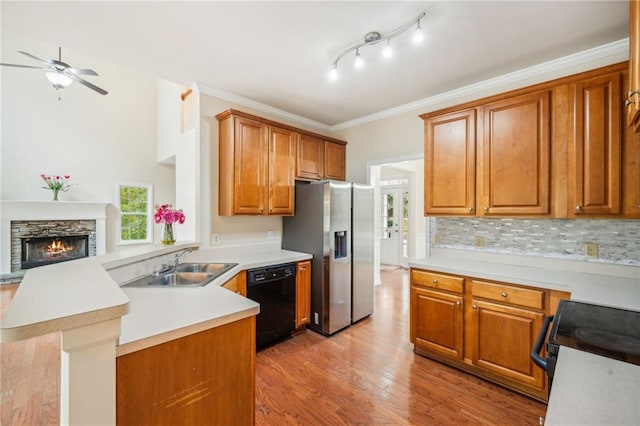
x=135 y=203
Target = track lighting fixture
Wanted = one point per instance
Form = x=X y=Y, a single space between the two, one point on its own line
x=374 y=37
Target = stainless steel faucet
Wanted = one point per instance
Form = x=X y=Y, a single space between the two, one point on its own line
x=176 y=259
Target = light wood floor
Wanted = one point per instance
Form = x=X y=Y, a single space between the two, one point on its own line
x=364 y=375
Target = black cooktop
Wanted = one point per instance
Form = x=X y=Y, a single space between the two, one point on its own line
x=603 y=330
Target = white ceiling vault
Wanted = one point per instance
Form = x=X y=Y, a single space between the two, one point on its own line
x=279 y=53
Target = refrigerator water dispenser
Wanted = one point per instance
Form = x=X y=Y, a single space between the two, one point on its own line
x=340 y=244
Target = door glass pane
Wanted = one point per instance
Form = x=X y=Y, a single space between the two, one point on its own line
x=405 y=224
x=387 y=219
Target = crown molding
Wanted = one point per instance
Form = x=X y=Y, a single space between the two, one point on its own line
x=596 y=57
x=259 y=106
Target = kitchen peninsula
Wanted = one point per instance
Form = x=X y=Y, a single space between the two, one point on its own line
x=84 y=301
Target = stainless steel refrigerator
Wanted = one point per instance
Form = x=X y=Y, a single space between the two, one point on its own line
x=322 y=226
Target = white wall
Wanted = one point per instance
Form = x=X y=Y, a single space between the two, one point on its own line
x=98 y=140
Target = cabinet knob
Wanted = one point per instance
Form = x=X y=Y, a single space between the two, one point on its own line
x=474 y=306
x=261 y=210
x=435 y=281
x=486 y=209
x=470 y=209
x=503 y=294
x=579 y=208
x=630 y=93
x=458 y=303
x=628 y=102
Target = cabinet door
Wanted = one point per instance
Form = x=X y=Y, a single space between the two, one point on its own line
x=436 y=322
x=450 y=164
x=515 y=163
x=237 y=284
x=595 y=149
x=503 y=337
x=281 y=169
x=310 y=164
x=633 y=101
x=334 y=160
x=303 y=293
x=249 y=166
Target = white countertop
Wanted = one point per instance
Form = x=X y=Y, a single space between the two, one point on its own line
x=587 y=389
x=590 y=389
x=586 y=287
x=77 y=293
x=158 y=315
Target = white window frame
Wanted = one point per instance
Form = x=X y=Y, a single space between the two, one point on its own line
x=149 y=188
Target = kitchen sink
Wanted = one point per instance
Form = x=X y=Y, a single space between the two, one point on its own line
x=209 y=268
x=185 y=275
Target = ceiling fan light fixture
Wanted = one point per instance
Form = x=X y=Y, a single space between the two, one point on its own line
x=418 y=35
x=375 y=37
x=387 y=52
x=59 y=80
x=358 y=62
x=333 y=73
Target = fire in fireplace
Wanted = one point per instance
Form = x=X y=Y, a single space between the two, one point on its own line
x=41 y=251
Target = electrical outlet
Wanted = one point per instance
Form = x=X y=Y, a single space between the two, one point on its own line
x=479 y=241
x=591 y=250
x=436 y=237
x=215 y=239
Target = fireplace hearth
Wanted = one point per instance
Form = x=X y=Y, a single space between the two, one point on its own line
x=47 y=250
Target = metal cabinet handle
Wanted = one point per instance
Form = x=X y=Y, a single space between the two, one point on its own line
x=579 y=207
x=630 y=93
x=470 y=209
x=458 y=303
x=503 y=294
x=435 y=281
x=486 y=209
x=261 y=210
x=474 y=306
x=628 y=102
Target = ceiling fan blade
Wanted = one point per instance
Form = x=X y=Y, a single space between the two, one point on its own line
x=86 y=83
x=25 y=66
x=83 y=71
x=33 y=57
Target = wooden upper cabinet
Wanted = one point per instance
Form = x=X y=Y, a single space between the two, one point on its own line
x=633 y=94
x=450 y=164
x=595 y=148
x=515 y=164
x=257 y=167
x=310 y=158
x=249 y=166
x=335 y=156
x=281 y=166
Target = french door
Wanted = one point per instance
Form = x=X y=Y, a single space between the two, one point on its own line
x=394 y=222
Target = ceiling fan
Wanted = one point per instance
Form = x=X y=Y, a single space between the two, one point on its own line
x=61 y=74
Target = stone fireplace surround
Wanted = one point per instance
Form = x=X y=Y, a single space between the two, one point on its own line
x=13 y=213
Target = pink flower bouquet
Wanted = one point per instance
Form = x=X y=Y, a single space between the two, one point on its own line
x=165 y=213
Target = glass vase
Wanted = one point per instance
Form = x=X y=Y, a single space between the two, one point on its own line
x=55 y=194
x=168 y=237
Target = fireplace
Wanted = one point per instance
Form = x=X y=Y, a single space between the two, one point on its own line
x=43 y=242
x=42 y=251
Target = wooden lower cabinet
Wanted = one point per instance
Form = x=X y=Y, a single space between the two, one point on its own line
x=483 y=327
x=238 y=283
x=503 y=337
x=438 y=324
x=303 y=294
x=204 y=378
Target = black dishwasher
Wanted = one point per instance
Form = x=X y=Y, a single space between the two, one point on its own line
x=274 y=288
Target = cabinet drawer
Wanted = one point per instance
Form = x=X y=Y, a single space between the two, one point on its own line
x=509 y=294
x=439 y=281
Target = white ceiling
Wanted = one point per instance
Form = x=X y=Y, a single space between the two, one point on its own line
x=279 y=53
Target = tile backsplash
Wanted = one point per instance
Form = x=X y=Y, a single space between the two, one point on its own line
x=618 y=241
